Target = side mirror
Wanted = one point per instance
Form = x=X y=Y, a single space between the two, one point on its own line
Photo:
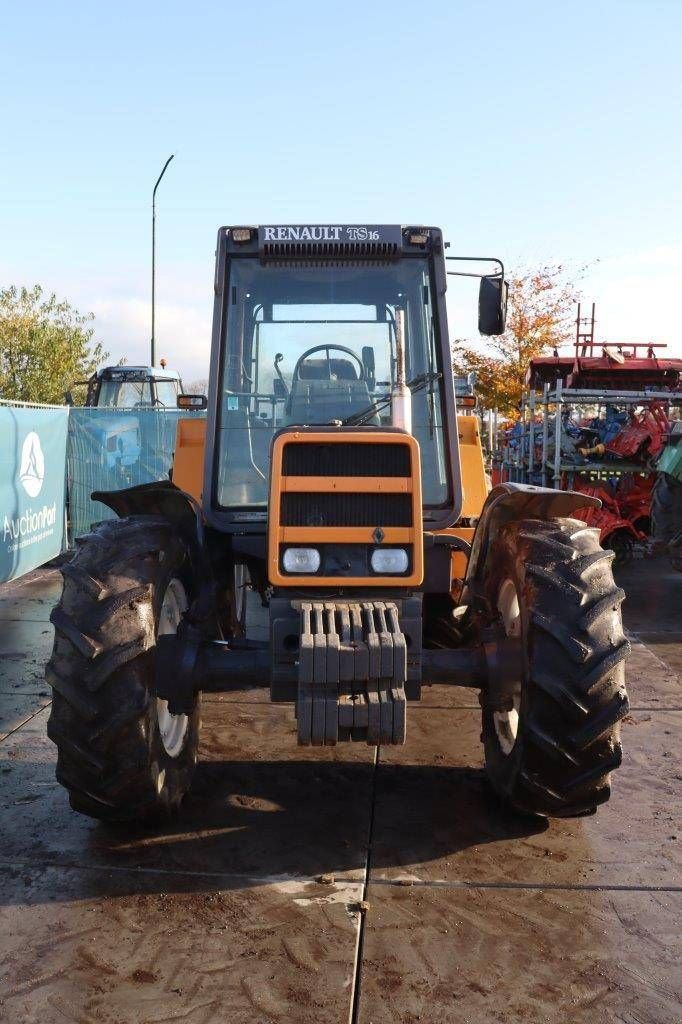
x=369 y=365
x=279 y=385
x=492 y=305
x=192 y=403
x=68 y=398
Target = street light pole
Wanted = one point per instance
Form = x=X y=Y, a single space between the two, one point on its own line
x=153 y=352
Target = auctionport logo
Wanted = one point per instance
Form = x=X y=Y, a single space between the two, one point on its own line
x=32 y=465
x=30 y=526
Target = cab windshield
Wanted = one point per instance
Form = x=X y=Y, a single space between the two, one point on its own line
x=135 y=394
x=125 y=394
x=313 y=344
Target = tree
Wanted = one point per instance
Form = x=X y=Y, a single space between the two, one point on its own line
x=45 y=345
x=197 y=387
x=539 y=319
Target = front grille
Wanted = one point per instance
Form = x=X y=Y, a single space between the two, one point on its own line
x=346 y=497
x=330 y=250
x=338 y=509
x=352 y=459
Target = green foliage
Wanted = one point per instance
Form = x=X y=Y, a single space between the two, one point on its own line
x=45 y=346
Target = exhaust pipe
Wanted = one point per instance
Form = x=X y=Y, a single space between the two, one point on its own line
x=401 y=396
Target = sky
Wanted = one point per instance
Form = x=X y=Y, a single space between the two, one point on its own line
x=536 y=132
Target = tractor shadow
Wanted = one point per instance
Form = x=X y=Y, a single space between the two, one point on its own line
x=246 y=823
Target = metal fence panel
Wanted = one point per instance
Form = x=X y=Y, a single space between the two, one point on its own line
x=110 y=449
x=32 y=456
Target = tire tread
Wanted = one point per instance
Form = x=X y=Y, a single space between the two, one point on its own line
x=103 y=705
x=569 y=734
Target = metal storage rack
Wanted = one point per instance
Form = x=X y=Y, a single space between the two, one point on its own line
x=520 y=465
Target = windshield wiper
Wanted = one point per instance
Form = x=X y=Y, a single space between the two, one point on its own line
x=417 y=383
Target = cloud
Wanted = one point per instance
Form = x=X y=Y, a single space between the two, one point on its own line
x=635 y=295
x=183 y=333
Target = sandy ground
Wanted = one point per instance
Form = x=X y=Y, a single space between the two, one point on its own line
x=247 y=908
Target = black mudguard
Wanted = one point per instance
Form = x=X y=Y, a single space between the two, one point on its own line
x=163 y=498
x=160 y=498
x=511 y=501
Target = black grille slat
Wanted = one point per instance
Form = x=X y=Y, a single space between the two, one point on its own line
x=330 y=250
x=352 y=459
x=340 y=509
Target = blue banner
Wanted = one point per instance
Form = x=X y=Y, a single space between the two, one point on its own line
x=32 y=460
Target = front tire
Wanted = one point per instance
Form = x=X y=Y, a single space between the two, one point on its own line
x=121 y=754
x=551 y=728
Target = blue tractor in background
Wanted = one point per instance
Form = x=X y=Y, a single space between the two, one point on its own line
x=118 y=439
x=117 y=425
x=132 y=387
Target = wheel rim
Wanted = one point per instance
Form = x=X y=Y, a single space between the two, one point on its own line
x=172 y=728
x=507 y=722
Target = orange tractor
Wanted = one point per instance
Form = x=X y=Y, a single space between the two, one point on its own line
x=328 y=533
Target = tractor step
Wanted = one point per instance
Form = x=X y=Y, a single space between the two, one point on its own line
x=351 y=673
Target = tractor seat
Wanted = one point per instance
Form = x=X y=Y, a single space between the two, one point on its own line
x=319 y=369
x=318 y=401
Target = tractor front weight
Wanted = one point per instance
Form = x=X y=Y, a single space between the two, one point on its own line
x=349 y=667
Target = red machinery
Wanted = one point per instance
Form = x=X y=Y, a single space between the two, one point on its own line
x=617 y=366
x=644 y=437
x=630 y=373
x=617 y=530
x=633 y=495
x=601 y=366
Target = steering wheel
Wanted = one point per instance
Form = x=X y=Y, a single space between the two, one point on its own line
x=328 y=349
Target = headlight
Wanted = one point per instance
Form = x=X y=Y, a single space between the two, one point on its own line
x=389 y=561
x=304 y=560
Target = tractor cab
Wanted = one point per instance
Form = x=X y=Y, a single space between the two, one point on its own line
x=328 y=326
x=132 y=387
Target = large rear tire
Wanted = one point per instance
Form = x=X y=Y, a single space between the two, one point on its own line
x=551 y=730
x=121 y=754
